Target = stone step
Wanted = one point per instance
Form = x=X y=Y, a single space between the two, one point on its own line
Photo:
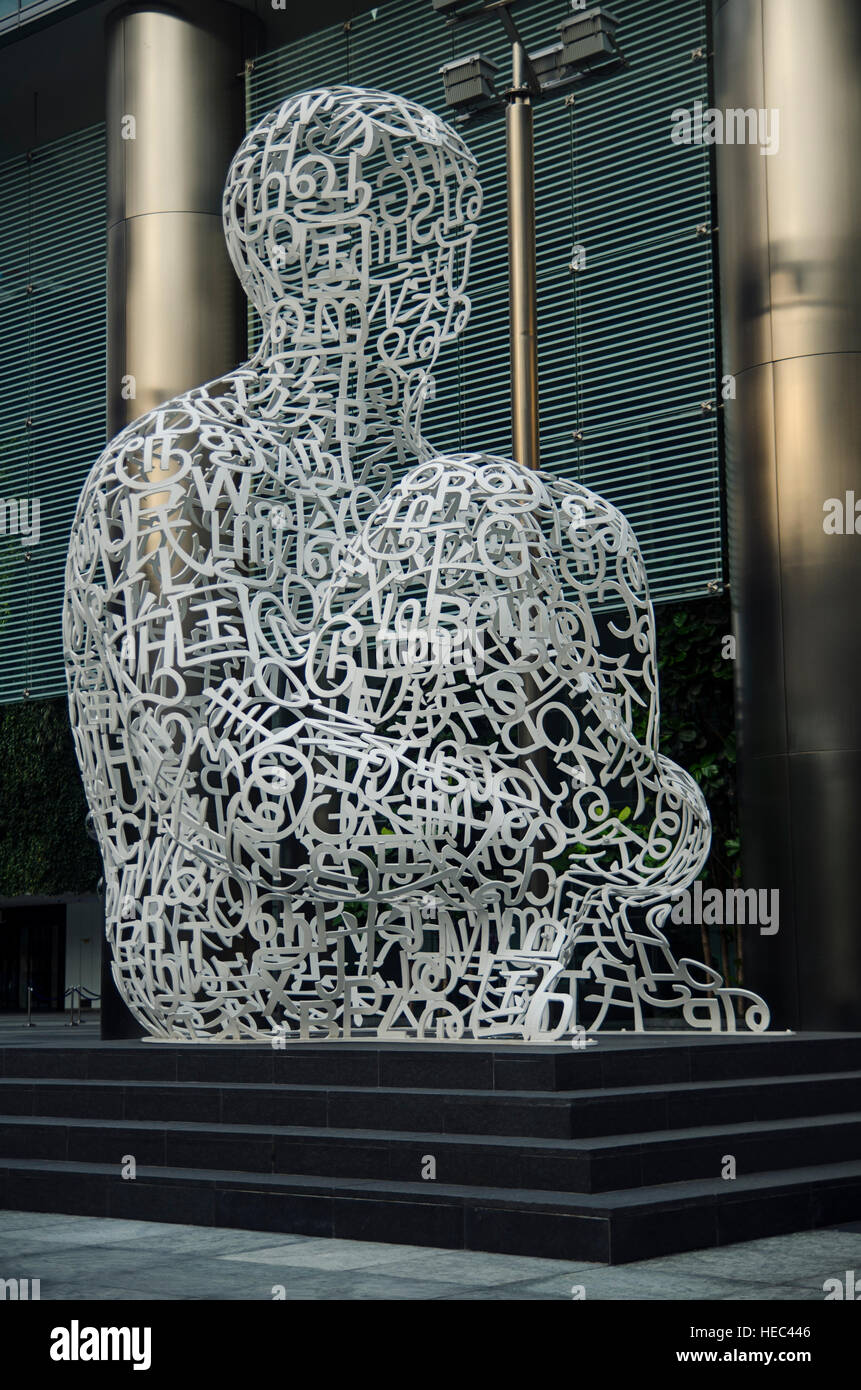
x=611 y=1227
x=612 y=1061
x=549 y=1115
x=577 y=1165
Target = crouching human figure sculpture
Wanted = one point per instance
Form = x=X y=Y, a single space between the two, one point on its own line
x=369 y=734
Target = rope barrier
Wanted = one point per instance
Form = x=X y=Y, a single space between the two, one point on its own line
x=79 y=990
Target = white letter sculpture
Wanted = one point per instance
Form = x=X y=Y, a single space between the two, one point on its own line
x=369 y=735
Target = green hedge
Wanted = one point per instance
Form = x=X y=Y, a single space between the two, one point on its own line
x=698 y=732
x=697 y=718
x=44 y=846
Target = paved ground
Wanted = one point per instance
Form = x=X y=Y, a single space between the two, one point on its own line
x=54 y=1028
x=78 y=1257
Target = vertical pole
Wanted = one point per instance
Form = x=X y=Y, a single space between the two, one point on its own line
x=520 y=168
x=521 y=261
x=174 y=118
x=792 y=350
x=175 y=309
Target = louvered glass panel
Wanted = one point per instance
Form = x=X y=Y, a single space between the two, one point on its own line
x=52 y=387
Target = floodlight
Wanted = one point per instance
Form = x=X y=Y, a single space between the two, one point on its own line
x=468 y=81
x=449 y=6
x=588 y=36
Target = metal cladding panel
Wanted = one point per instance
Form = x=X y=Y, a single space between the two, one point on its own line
x=52 y=389
x=627 y=351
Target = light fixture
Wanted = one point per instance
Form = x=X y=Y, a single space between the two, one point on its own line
x=588 y=37
x=588 y=47
x=586 y=52
x=449 y=6
x=469 y=81
x=547 y=64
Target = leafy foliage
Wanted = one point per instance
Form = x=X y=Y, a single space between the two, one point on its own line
x=697 y=718
x=44 y=846
x=698 y=732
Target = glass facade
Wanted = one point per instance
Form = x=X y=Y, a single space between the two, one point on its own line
x=52 y=390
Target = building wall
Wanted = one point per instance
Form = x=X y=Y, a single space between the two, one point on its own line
x=52 y=389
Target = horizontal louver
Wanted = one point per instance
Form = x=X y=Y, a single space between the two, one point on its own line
x=52 y=388
x=626 y=346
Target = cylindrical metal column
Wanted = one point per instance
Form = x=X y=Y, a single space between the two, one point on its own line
x=789 y=256
x=174 y=120
x=175 y=307
x=521 y=254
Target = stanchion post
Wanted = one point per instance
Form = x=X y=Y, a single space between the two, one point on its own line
x=71 y=1023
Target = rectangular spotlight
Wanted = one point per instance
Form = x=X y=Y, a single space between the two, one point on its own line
x=468 y=80
x=588 y=36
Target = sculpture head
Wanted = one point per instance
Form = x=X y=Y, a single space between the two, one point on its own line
x=349 y=216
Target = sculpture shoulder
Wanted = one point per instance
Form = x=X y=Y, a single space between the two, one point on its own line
x=208 y=424
x=501 y=485
x=498 y=503
x=225 y=484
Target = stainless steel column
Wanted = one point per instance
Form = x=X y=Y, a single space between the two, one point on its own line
x=174 y=303
x=521 y=256
x=175 y=308
x=789 y=257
